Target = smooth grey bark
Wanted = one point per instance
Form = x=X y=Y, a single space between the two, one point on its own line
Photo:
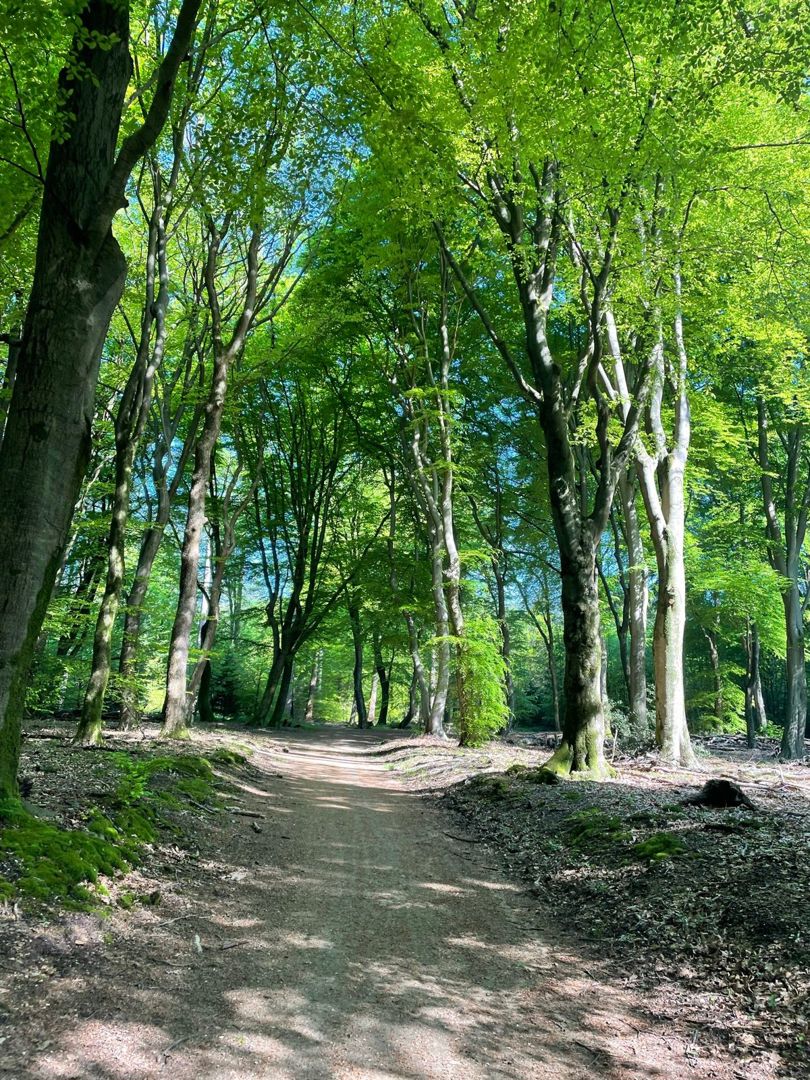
x=785 y=542
x=637 y=602
x=361 y=712
x=78 y=279
x=755 y=716
x=662 y=476
x=176 y=703
x=532 y=235
x=130 y=421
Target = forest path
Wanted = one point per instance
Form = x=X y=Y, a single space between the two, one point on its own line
x=351 y=938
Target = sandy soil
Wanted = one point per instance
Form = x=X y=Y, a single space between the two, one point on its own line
x=356 y=935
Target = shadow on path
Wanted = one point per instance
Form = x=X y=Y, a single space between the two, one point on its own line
x=351 y=938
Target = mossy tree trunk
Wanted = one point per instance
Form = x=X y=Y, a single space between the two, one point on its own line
x=78 y=279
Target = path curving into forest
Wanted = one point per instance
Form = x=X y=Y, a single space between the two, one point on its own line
x=351 y=937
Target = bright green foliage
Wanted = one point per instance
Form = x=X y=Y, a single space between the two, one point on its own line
x=480 y=682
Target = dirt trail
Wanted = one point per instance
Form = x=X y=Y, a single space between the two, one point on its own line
x=350 y=938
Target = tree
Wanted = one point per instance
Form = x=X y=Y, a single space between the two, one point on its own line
x=78 y=278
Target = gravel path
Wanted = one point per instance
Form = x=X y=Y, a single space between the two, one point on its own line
x=352 y=937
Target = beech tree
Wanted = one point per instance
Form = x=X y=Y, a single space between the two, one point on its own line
x=78 y=278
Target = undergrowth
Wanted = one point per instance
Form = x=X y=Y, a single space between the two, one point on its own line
x=44 y=862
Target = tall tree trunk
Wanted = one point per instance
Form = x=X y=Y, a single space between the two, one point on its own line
x=555 y=689
x=583 y=727
x=130 y=421
x=717 y=681
x=357 y=674
x=9 y=375
x=796 y=702
x=419 y=678
x=78 y=279
x=175 y=706
x=383 y=681
x=314 y=679
x=283 y=698
x=662 y=481
x=413 y=702
x=372 y=698
x=265 y=709
x=150 y=546
x=637 y=603
x=755 y=716
x=441 y=652
x=786 y=541
x=672 y=732
x=506 y=642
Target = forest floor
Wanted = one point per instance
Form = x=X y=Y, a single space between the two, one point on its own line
x=354 y=905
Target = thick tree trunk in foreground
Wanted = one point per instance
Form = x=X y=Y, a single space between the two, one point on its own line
x=583 y=727
x=78 y=279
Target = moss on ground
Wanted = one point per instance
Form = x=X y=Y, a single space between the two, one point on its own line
x=45 y=862
x=591 y=829
x=659 y=846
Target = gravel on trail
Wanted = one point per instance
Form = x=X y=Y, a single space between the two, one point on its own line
x=338 y=926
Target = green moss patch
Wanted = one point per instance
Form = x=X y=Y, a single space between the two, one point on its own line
x=591 y=829
x=43 y=861
x=46 y=862
x=659 y=846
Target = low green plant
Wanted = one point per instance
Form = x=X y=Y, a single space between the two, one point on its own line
x=48 y=862
x=592 y=828
x=44 y=861
x=659 y=846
